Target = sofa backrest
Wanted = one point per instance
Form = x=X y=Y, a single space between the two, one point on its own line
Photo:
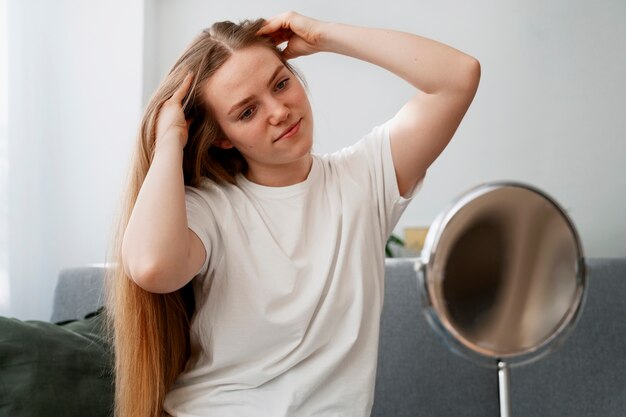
x=79 y=291
x=584 y=377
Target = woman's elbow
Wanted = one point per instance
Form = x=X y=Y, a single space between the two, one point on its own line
x=149 y=274
x=471 y=75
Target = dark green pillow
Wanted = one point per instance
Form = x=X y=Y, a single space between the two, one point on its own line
x=55 y=370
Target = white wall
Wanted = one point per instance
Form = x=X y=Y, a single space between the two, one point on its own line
x=75 y=71
x=549 y=110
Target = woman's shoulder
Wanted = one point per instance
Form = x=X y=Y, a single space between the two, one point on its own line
x=367 y=144
x=208 y=185
x=211 y=191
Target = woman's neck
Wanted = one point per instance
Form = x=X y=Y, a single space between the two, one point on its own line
x=280 y=175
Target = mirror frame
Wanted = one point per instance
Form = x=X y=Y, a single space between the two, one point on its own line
x=427 y=277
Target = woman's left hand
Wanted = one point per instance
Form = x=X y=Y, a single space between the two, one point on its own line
x=302 y=34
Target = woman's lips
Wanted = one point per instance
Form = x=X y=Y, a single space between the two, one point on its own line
x=290 y=131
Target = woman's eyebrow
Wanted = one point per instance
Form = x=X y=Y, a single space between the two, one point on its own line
x=248 y=99
x=276 y=71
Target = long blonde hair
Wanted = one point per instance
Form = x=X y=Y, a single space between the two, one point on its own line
x=150 y=332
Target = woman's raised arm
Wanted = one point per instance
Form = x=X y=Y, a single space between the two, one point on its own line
x=446 y=80
x=160 y=253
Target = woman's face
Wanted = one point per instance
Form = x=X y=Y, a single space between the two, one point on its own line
x=264 y=112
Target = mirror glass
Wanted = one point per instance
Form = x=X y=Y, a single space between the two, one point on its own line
x=503 y=270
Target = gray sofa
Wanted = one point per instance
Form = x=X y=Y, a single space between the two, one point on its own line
x=419 y=376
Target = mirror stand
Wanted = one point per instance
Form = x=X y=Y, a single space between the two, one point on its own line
x=502 y=276
x=504 y=389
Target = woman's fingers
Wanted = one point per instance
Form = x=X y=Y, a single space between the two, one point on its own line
x=301 y=33
x=274 y=24
x=280 y=36
x=297 y=47
x=283 y=26
x=171 y=120
x=182 y=90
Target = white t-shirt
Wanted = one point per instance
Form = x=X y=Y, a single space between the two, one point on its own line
x=289 y=301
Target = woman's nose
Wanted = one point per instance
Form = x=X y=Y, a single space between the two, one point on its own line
x=279 y=112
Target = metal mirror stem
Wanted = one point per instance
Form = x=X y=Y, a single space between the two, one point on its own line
x=504 y=389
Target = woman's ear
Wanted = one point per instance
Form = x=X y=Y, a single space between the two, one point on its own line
x=224 y=143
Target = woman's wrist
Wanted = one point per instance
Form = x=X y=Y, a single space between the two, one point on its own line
x=345 y=39
x=169 y=144
x=326 y=35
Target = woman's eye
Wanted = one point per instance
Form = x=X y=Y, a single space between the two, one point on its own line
x=282 y=84
x=246 y=114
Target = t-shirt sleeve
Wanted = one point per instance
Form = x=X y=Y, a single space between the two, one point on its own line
x=201 y=221
x=370 y=163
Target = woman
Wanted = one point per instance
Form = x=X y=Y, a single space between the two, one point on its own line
x=250 y=271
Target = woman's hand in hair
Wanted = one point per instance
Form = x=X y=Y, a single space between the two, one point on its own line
x=171 y=122
x=302 y=34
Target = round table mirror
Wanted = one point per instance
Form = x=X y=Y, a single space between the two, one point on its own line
x=502 y=277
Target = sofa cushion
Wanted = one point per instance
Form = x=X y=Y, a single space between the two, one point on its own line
x=55 y=370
